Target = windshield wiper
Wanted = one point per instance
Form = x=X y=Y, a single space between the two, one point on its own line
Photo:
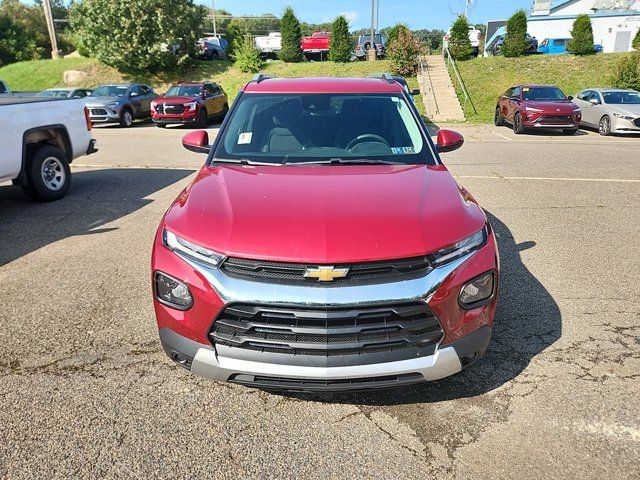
x=347 y=161
x=244 y=161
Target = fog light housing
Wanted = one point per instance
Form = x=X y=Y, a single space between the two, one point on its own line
x=478 y=291
x=172 y=292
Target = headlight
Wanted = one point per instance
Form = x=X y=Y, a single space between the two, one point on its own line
x=191 y=106
x=196 y=252
x=622 y=116
x=531 y=109
x=172 y=292
x=477 y=291
x=577 y=110
x=460 y=249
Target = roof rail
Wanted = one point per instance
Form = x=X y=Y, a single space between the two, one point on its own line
x=387 y=77
x=258 y=77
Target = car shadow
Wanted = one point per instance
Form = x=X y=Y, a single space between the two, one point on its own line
x=96 y=198
x=527 y=321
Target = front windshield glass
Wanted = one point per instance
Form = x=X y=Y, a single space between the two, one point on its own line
x=543 y=93
x=183 y=91
x=53 y=93
x=320 y=128
x=110 y=91
x=622 y=98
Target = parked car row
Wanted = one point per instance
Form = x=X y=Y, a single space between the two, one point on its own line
x=529 y=107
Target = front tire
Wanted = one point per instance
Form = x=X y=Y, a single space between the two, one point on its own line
x=126 y=118
x=203 y=118
x=517 y=124
x=498 y=121
x=48 y=174
x=604 y=128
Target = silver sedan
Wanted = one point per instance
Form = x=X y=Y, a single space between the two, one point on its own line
x=611 y=111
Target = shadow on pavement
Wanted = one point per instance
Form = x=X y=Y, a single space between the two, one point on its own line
x=527 y=321
x=96 y=198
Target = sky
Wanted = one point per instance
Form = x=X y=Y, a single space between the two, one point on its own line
x=429 y=14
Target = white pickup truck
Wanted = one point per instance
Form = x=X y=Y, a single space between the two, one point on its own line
x=269 y=44
x=39 y=138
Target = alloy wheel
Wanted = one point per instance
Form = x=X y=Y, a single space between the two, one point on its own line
x=605 y=126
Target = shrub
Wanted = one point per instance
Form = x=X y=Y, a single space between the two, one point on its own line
x=291 y=37
x=138 y=36
x=15 y=43
x=393 y=32
x=627 y=72
x=234 y=37
x=459 y=43
x=581 y=42
x=247 y=56
x=636 y=41
x=340 y=41
x=515 y=41
x=403 y=54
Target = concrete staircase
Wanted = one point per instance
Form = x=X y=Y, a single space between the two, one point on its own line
x=438 y=93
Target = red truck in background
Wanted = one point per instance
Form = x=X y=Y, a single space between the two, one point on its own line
x=316 y=45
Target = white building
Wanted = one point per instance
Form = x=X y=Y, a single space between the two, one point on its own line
x=615 y=22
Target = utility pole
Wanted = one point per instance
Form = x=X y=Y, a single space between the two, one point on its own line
x=467 y=5
x=52 y=29
x=371 y=53
x=378 y=17
x=213 y=12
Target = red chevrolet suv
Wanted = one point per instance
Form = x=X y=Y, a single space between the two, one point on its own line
x=537 y=106
x=190 y=103
x=324 y=245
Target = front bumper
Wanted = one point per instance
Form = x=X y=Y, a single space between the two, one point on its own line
x=620 y=126
x=162 y=120
x=202 y=360
x=103 y=114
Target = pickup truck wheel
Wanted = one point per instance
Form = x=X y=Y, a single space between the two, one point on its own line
x=126 y=118
x=498 y=121
x=203 y=118
x=48 y=174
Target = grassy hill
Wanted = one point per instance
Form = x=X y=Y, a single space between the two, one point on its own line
x=488 y=78
x=42 y=74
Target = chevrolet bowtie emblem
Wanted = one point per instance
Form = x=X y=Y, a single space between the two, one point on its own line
x=326 y=274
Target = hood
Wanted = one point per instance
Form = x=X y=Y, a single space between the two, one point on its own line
x=101 y=101
x=632 y=110
x=324 y=214
x=554 y=108
x=177 y=99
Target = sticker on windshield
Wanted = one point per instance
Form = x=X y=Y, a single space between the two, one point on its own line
x=245 y=138
x=403 y=150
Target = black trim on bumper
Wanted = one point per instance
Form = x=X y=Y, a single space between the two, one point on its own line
x=303 y=385
x=92 y=147
x=176 y=345
x=174 y=121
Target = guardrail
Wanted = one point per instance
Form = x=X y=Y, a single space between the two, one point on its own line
x=426 y=75
x=452 y=63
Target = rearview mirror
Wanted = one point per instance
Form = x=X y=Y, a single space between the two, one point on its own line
x=197 y=141
x=448 y=141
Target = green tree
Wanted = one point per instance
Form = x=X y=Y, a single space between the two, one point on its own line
x=581 y=42
x=515 y=42
x=340 y=41
x=459 y=43
x=403 y=54
x=291 y=37
x=627 y=72
x=393 y=32
x=138 y=36
x=636 y=41
x=234 y=34
x=16 y=44
x=247 y=56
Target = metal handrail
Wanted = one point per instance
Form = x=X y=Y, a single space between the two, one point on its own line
x=452 y=62
x=424 y=71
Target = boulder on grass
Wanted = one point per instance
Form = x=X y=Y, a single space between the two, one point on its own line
x=73 y=76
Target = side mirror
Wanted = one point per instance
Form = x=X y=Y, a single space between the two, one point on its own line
x=197 y=141
x=594 y=101
x=415 y=91
x=448 y=141
x=569 y=98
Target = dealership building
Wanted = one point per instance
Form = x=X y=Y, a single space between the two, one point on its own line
x=615 y=22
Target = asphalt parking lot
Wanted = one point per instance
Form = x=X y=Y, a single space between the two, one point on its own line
x=86 y=390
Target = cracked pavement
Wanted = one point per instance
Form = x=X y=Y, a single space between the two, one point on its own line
x=86 y=390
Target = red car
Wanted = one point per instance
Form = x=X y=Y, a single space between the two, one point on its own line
x=324 y=245
x=537 y=106
x=194 y=103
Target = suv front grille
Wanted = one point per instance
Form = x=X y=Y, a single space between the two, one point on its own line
x=556 y=120
x=326 y=331
x=167 y=108
x=294 y=272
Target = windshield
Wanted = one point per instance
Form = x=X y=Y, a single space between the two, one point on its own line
x=622 y=98
x=53 y=93
x=542 y=93
x=323 y=128
x=184 y=91
x=110 y=91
